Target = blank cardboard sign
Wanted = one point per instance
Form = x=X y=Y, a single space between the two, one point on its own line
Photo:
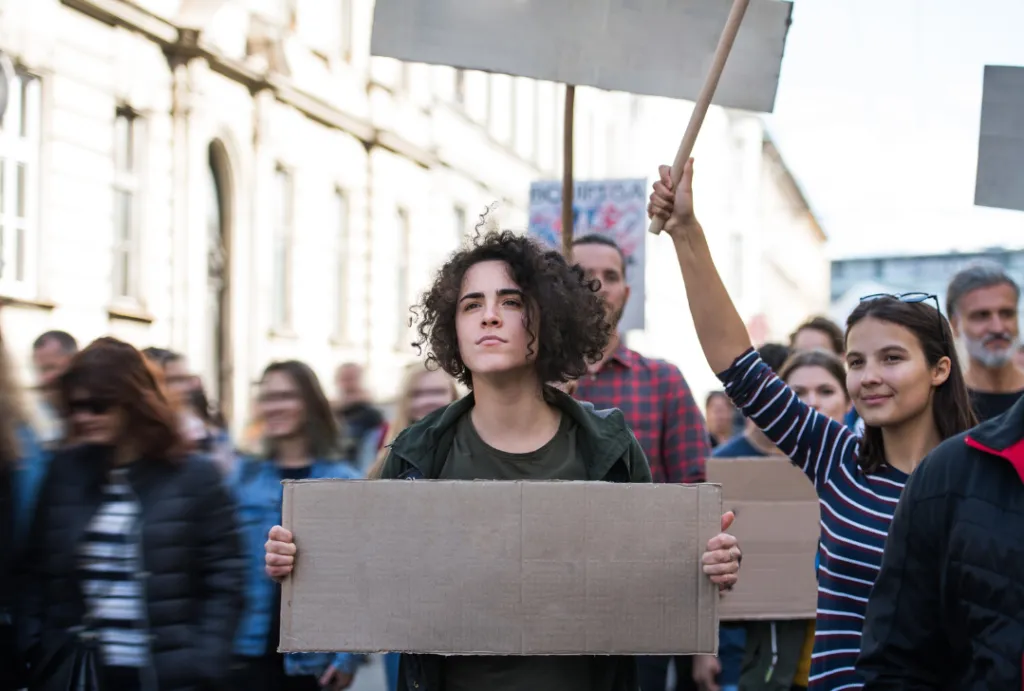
x=503 y=568
x=1000 y=181
x=650 y=47
x=777 y=525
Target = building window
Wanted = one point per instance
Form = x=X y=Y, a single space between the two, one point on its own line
x=127 y=216
x=19 y=183
x=283 y=247
x=346 y=31
x=341 y=250
x=402 y=276
x=460 y=87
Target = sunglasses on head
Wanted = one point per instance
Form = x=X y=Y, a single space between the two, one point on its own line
x=93 y=406
x=912 y=298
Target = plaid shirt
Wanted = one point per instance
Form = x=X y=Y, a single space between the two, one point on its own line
x=658 y=407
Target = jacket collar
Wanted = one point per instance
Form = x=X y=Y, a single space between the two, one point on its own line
x=97 y=460
x=625 y=357
x=603 y=436
x=1002 y=436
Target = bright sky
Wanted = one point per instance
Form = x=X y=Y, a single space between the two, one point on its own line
x=877 y=116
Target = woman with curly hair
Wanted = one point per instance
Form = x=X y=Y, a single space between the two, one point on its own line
x=507 y=318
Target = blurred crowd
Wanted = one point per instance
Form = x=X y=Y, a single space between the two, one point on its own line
x=131 y=508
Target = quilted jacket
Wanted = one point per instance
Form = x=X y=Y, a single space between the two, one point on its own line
x=947 y=610
x=191 y=551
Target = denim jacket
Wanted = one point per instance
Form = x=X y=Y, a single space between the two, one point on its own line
x=256 y=483
x=28 y=477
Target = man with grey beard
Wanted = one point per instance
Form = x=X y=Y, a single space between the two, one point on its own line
x=981 y=303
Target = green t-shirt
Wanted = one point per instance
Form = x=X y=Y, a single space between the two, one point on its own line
x=472 y=459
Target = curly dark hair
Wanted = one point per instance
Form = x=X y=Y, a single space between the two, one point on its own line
x=572 y=329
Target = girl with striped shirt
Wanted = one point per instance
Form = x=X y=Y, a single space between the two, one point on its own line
x=905 y=382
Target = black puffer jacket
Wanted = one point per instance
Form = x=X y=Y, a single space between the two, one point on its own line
x=10 y=677
x=191 y=552
x=947 y=609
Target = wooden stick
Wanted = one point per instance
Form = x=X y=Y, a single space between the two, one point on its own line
x=707 y=92
x=568 y=218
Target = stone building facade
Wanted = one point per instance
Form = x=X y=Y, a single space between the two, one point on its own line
x=240 y=181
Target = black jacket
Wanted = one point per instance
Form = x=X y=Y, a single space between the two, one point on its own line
x=192 y=559
x=604 y=441
x=10 y=677
x=947 y=610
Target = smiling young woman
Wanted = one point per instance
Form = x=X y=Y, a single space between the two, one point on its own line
x=905 y=382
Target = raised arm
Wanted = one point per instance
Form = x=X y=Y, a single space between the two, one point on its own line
x=721 y=331
x=811 y=440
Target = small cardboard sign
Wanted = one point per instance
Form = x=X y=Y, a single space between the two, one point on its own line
x=777 y=525
x=1000 y=181
x=616 y=209
x=500 y=568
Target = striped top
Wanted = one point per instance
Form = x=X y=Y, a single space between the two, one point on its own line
x=856 y=510
x=109 y=563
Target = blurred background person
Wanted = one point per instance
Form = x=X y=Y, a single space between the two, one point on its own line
x=133 y=540
x=207 y=429
x=361 y=423
x=22 y=466
x=201 y=423
x=981 y=303
x=300 y=440
x=51 y=354
x=819 y=333
x=422 y=392
x=720 y=413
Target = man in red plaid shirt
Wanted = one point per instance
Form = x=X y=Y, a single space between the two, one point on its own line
x=657 y=404
x=652 y=394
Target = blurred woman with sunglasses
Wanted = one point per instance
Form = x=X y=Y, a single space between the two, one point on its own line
x=904 y=380
x=202 y=425
x=134 y=541
x=300 y=440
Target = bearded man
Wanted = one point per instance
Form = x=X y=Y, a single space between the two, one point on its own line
x=981 y=303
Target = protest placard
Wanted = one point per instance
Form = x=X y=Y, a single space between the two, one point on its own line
x=1000 y=181
x=616 y=208
x=619 y=45
x=605 y=45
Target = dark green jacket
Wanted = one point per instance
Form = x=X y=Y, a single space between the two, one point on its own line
x=611 y=454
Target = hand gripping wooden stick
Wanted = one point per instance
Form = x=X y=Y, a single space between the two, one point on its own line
x=707 y=92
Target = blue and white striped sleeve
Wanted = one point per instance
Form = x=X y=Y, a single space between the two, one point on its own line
x=813 y=441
